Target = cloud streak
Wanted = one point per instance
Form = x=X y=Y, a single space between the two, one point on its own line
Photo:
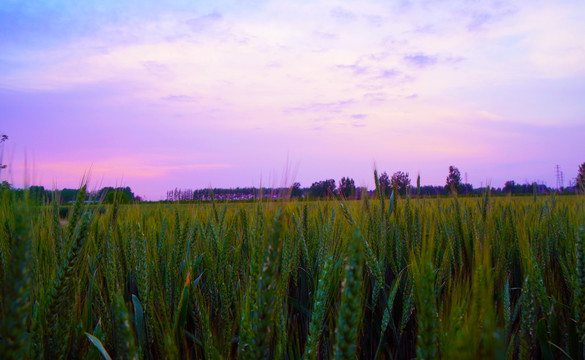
x=421 y=60
x=179 y=98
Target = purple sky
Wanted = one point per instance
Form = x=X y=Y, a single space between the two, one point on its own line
x=195 y=94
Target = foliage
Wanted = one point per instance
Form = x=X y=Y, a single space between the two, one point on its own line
x=453 y=182
x=296 y=191
x=103 y=193
x=455 y=278
x=322 y=189
x=238 y=193
x=581 y=177
x=402 y=182
x=385 y=183
x=113 y=196
x=38 y=194
x=347 y=188
x=509 y=186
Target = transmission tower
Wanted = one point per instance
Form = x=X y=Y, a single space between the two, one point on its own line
x=560 y=180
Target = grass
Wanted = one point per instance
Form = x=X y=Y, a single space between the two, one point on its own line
x=378 y=278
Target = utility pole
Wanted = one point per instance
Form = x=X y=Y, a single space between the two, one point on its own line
x=2 y=166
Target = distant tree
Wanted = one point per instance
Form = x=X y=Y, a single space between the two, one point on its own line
x=68 y=195
x=347 y=187
x=385 y=183
x=402 y=182
x=329 y=187
x=581 y=177
x=453 y=182
x=323 y=188
x=103 y=193
x=432 y=190
x=295 y=190
x=316 y=189
x=128 y=191
x=361 y=192
x=466 y=188
x=123 y=198
x=509 y=187
x=37 y=193
x=5 y=185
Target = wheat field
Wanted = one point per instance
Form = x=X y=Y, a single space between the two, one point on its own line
x=384 y=278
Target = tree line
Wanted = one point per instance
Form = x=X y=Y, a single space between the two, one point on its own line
x=39 y=194
x=246 y=193
x=399 y=182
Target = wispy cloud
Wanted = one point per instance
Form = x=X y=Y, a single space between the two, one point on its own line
x=330 y=107
x=388 y=74
x=325 y=35
x=358 y=120
x=343 y=14
x=203 y=22
x=156 y=68
x=179 y=98
x=356 y=69
x=421 y=60
x=478 y=21
x=375 y=20
x=375 y=97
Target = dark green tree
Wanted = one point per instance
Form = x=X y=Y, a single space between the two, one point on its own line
x=128 y=191
x=453 y=183
x=295 y=190
x=385 y=183
x=38 y=194
x=323 y=188
x=581 y=177
x=103 y=193
x=121 y=196
x=68 y=195
x=402 y=182
x=509 y=187
x=5 y=185
x=347 y=187
x=466 y=188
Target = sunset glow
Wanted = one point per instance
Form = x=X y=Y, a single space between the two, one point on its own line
x=196 y=94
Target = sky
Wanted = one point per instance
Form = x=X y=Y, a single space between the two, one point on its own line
x=191 y=94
